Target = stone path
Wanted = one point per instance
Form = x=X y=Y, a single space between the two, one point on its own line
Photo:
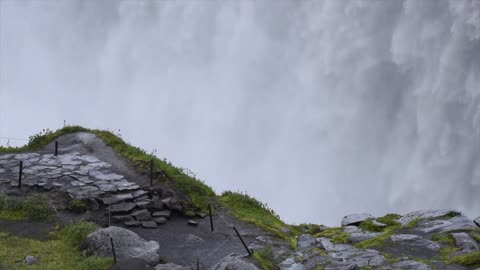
x=88 y=178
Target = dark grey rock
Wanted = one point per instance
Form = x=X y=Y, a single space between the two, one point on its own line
x=358 y=237
x=122 y=207
x=127 y=244
x=426 y=214
x=445 y=225
x=291 y=264
x=233 y=261
x=114 y=199
x=477 y=221
x=172 y=204
x=124 y=218
x=306 y=241
x=143 y=204
x=415 y=241
x=411 y=265
x=142 y=215
x=355 y=219
x=160 y=220
x=149 y=224
x=465 y=243
x=164 y=213
x=132 y=223
x=170 y=266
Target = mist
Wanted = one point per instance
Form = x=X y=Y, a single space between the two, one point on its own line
x=318 y=108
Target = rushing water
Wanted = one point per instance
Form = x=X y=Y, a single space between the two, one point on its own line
x=320 y=108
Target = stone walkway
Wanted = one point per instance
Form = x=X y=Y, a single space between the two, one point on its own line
x=87 y=177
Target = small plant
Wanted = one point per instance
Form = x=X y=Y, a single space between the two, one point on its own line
x=77 y=206
x=76 y=233
x=471 y=259
x=266 y=257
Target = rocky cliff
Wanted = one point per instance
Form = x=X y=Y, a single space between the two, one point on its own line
x=156 y=217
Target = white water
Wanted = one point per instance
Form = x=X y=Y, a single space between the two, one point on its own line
x=320 y=108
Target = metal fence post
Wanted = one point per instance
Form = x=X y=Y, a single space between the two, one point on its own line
x=20 y=173
x=244 y=245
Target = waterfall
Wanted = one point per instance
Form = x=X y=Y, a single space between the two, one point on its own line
x=319 y=108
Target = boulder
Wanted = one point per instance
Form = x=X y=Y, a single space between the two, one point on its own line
x=127 y=244
x=306 y=241
x=170 y=266
x=411 y=265
x=172 y=204
x=465 y=243
x=444 y=225
x=355 y=219
x=426 y=214
x=415 y=241
x=233 y=261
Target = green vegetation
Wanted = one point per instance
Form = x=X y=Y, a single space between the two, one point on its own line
x=75 y=233
x=266 y=258
x=471 y=259
x=310 y=228
x=337 y=235
x=200 y=193
x=369 y=225
x=77 y=206
x=58 y=254
x=251 y=210
x=380 y=240
x=390 y=219
x=34 y=207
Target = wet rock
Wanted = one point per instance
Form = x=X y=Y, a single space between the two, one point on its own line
x=149 y=224
x=415 y=241
x=426 y=214
x=291 y=264
x=306 y=241
x=172 y=204
x=160 y=220
x=30 y=260
x=233 y=261
x=132 y=223
x=360 y=237
x=442 y=225
x=122 y=207
x=164 y=213
x=142 y=215
x=170 y=266
x=355 y=219
x=124 y=218
x=117 y=198
x=411 y=265
x=127 y=244
x=192 y=223
x=465 y=243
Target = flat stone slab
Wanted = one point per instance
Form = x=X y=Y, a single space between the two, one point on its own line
x=124 y=218
x=117 y=198
x=163 y=213
x=355 y=219
x=160 y=220
x=122 y=207
x=445 y=225
x=415 y=241
x=132 y=223
x=142 y=215
x=149 y=224
x=426 y=214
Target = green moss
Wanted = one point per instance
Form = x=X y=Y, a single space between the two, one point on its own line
x=442 y=238
x=251 y=210
x=178 y=178
x=35 y=207
x=368 y=225
x=76 y=233
x=390 y=219
x=53 y=255
x=77 y=206
x=472 y=259
x=413 y=223
x=266 y=258
x=380 y=240
x=337 y=235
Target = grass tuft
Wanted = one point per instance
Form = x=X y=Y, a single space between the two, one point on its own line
x=35 y=207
